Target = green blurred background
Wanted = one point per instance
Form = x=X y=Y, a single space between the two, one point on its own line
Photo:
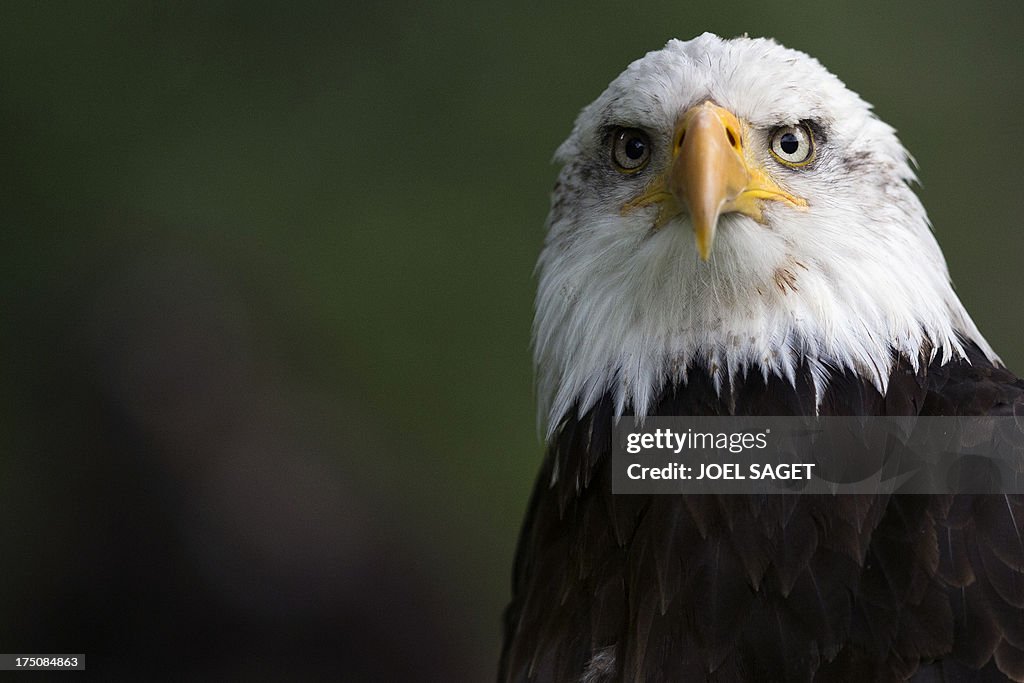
x=267 y=298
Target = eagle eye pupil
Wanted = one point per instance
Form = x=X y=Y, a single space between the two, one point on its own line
x=789 y=143
x=635 y=148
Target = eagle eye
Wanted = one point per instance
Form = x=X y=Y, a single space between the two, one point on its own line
x=631 y=149
x=792 y=145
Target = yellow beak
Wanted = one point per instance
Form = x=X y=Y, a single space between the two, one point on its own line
x=710 y=174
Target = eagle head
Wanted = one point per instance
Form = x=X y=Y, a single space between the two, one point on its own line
x=731 y=205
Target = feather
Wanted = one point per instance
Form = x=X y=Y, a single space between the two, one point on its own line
x=977 y=632
x=1010 y=660
x=954 y=565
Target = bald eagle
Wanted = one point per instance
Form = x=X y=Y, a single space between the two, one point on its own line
x=733 y=232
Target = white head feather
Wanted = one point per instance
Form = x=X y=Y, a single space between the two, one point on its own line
x=853 y=281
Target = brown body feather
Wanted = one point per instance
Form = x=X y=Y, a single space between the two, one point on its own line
x=770 y=588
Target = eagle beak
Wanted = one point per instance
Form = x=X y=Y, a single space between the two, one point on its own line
x=710 y=173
